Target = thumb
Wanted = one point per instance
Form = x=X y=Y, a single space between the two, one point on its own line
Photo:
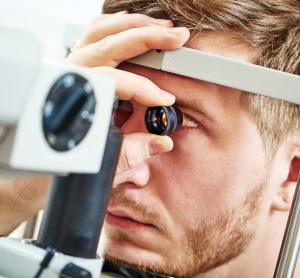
x=138 y=147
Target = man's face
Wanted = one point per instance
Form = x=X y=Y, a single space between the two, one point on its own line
x=199 y=204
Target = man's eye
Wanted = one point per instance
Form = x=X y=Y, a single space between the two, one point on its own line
x=189 y=121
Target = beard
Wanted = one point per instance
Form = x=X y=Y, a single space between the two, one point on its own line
x=204 y=247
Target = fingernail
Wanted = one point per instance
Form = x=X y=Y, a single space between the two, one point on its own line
x=163 y=22
x=122 y=12
x=160 y=145
x=169 y=98
x=177 y=30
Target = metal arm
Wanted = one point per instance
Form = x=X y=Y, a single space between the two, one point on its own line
x=77 y=206
x=290 y=246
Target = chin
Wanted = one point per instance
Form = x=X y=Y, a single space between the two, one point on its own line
x=130 y=253
x=155 y=269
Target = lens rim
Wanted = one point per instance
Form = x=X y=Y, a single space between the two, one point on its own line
x=174 y=119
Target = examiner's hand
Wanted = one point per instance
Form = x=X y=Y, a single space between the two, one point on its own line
x=112 y=39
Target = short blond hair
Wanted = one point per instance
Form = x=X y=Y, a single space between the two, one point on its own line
x=270 y=27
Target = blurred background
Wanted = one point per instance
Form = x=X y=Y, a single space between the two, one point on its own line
x=47 y=18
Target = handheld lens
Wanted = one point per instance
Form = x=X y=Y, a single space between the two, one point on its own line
x=163 y=120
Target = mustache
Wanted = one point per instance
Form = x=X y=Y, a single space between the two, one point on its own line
x=120 y=200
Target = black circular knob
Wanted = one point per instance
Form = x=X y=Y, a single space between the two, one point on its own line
x=163 y=120
x=68 y=112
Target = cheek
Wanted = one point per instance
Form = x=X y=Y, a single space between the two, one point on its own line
x=202 y=179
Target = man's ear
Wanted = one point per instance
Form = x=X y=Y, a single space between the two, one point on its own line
x=285 y=191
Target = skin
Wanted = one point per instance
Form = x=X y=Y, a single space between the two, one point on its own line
x=228 y=140
x=213 y=199
x=217 y=167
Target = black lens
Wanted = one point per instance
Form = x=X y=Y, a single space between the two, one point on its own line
x=163 y=120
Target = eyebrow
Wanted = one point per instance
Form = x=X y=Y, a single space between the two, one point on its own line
x=194 y=106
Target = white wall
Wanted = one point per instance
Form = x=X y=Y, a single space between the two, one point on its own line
x=46 y=18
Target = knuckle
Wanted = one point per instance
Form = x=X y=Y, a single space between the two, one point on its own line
x=158 y=37
x=104 y=45
x=155 y=37
x=146 y=83
x=105 y=49
x=154 y=31
x=170 y=41
x=137 y=20
x=148 y=86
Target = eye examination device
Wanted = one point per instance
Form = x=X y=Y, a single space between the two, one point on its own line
x=55 y=119
x=224 y=71
x=163 y=120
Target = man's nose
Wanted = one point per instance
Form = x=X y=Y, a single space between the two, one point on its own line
x=138 y=176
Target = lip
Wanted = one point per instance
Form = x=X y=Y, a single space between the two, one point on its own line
x=124 y=220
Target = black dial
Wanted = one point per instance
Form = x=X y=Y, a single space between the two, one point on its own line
x=68 y=112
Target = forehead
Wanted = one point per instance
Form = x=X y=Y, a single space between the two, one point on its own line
x=208 y=95
x=221 y=44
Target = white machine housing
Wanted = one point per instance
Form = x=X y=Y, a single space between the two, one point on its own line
x=26 y=79
x=28 y=258
x=224 y=71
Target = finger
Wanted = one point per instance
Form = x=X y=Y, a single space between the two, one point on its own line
x=107 y=25
x=138 y=147
x=103 y=16
x=130 y=86
x=115 y=49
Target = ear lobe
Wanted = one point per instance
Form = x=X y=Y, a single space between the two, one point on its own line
x=285 y=192
x=284 y=197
